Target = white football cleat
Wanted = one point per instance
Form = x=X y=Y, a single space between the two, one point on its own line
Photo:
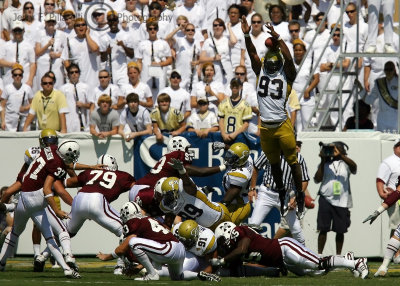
x=350 y=256
x=381 y=271
x=371 y=49
x=148 y=277
x=70 y=260
x=72 y=274
x=362 y=267
x=204 y=276
x=389 y=49
x=118 y=270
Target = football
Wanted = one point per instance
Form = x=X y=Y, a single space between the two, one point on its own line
x=271 y=43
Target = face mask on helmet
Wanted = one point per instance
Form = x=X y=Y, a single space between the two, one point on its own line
x=170 y=191
x=178 y=143
x=272 y=63
x=237 y=155
x=189 y=233
x=48 y=137
x=69 y=151
x=129 y=211
x=109 y=161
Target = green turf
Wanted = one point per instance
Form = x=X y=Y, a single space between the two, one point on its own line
x=19 y=272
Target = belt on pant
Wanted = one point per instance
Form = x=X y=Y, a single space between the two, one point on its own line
x=271 y=124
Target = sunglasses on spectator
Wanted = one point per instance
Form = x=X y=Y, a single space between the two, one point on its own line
x=162 y=0
x=28 y=8
x=50 y=4
x=47 y=83
x=256 y=22
x=189 y=30
x=294 y=31
x=336 y=35
x=112 y=20
x=154 y=8
x=320 y=19
x=247 y=0
x=17 y=30
x=202 y=103
x=240 y=73
x=152 y=29
x=72 y=72
x=176 y=76
x=17 y=74
x=101 y=77
x=351 y=11
x=97 y=15
x=80 y=25
x=218 y=25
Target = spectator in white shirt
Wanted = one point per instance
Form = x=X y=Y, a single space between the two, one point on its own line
x=203 y=121
x=106 y=87
x=12 y=13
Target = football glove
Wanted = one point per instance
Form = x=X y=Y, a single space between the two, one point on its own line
x=372 y=217
x=217 y=262
x=216 y=146
x=177 y=165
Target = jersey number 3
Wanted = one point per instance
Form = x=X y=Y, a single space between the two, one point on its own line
x=264 y=84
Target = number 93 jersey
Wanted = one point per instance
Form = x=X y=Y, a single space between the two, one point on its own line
x=197 y=207
x=205 y=243
x=272 y=94
x=239 y=177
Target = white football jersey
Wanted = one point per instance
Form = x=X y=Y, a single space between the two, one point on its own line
x=206 y=242
x=197 y=208
x=239 y=177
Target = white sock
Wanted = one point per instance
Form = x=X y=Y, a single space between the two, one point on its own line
x=189 y=275
x=391 y=248
x=144 y=260
x=52 y=245
x=340 y=261
x=10 y=207
x=65 y=242
x=36 y=249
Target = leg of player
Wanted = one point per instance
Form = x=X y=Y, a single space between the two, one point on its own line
x=266 y=200
x=297 y=178
x=391 y=248
x=277 y=175
x=295 y=227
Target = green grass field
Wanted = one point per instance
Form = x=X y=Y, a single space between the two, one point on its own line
x=19 y=272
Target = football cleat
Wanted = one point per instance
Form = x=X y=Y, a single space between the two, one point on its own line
x=118 y=270
x=350 y=256
x=204 y=276
x=148 y=277
x=38 y=263
x=72 y=274
x=362 y=267
x=2 y=267
x=70 y=260
x=381 y=271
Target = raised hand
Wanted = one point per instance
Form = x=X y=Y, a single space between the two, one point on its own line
x=245 y=25
x=176 y=164
x=372 y=217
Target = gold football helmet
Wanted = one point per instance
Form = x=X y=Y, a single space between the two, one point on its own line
x=273 y=62
x=189 y=233
x=48 y=137
x=237 y=155
x=170 y=190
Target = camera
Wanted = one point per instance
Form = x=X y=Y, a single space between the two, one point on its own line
x=327 y=150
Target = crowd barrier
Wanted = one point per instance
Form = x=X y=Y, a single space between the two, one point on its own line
x=367 y=149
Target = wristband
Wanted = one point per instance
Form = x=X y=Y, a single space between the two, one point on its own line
x=279 y=38
x=381 y=209
x=48 y=196
x=181 y=172
x=222 y=167
x=74 y=166
x=114 y=255
x=253 y=189
x=246 y=35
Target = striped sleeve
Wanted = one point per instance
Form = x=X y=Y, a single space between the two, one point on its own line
x=304 y=169
x=261 y=161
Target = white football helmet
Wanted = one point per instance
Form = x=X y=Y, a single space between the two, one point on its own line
x=178 y=143
x=157 y=187
x=108 y=160
x=69 y=151
x=224 y=230
x=129 y=211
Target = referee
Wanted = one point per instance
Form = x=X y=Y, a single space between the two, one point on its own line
x=268 y=195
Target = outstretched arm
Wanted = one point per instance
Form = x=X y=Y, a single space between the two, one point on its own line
x=251 y=50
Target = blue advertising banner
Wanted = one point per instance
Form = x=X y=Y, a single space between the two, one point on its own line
x=147 y=152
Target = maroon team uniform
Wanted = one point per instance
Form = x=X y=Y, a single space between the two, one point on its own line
x=145 y=196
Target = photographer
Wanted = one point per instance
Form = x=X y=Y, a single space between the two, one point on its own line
x=335 y=196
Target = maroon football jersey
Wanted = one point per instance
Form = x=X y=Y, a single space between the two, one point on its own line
x=270 y=250
x=47 y=163
x=145 y=199
x=109 y=183
x=149 y=228
x=163 y=169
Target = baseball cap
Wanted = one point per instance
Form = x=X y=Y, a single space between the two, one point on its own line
x=112 y=14
x=67 y=13
x=202 y=99
x=298 y=42
x=17 y=25
x=175 y=73
x=50 y=17
x=236 y=81
x=17 y=66
x=397 y=142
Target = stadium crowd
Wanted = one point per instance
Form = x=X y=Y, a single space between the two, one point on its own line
x=134 y=68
